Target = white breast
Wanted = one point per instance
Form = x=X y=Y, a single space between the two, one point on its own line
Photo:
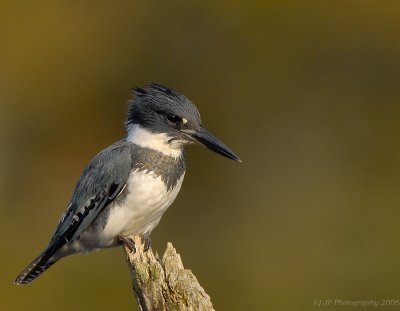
x=146 y=201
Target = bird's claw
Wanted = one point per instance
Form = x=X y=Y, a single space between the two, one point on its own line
x=130 y=244
x=146 y=241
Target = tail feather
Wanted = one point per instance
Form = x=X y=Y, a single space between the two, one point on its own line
x=36 y=268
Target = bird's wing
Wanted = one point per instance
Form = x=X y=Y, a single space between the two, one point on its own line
x=101 y=182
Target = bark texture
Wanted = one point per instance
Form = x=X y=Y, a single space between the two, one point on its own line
x=163 y=284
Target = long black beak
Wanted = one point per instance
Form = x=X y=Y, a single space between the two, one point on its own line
x=211 y=142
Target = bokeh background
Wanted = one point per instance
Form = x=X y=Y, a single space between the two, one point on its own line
x=307 y=94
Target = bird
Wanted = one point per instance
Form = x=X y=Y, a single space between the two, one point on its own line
x=126 y=188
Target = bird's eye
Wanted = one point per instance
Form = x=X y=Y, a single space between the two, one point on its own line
x=173 y=119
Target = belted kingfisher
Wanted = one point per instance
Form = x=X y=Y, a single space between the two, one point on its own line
x=128 y=186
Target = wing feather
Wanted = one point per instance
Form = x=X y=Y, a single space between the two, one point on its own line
x=101 y=182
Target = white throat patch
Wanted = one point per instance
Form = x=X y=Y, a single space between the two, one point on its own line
x=156 y=141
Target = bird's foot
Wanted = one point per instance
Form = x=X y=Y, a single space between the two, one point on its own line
x=146 y=241
x=130 y=244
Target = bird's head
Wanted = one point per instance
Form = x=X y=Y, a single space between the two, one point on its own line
x=161 y=118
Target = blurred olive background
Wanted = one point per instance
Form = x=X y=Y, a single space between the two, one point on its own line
x=306 y=93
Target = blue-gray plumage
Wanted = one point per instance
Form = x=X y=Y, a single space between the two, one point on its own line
x=127 y=187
